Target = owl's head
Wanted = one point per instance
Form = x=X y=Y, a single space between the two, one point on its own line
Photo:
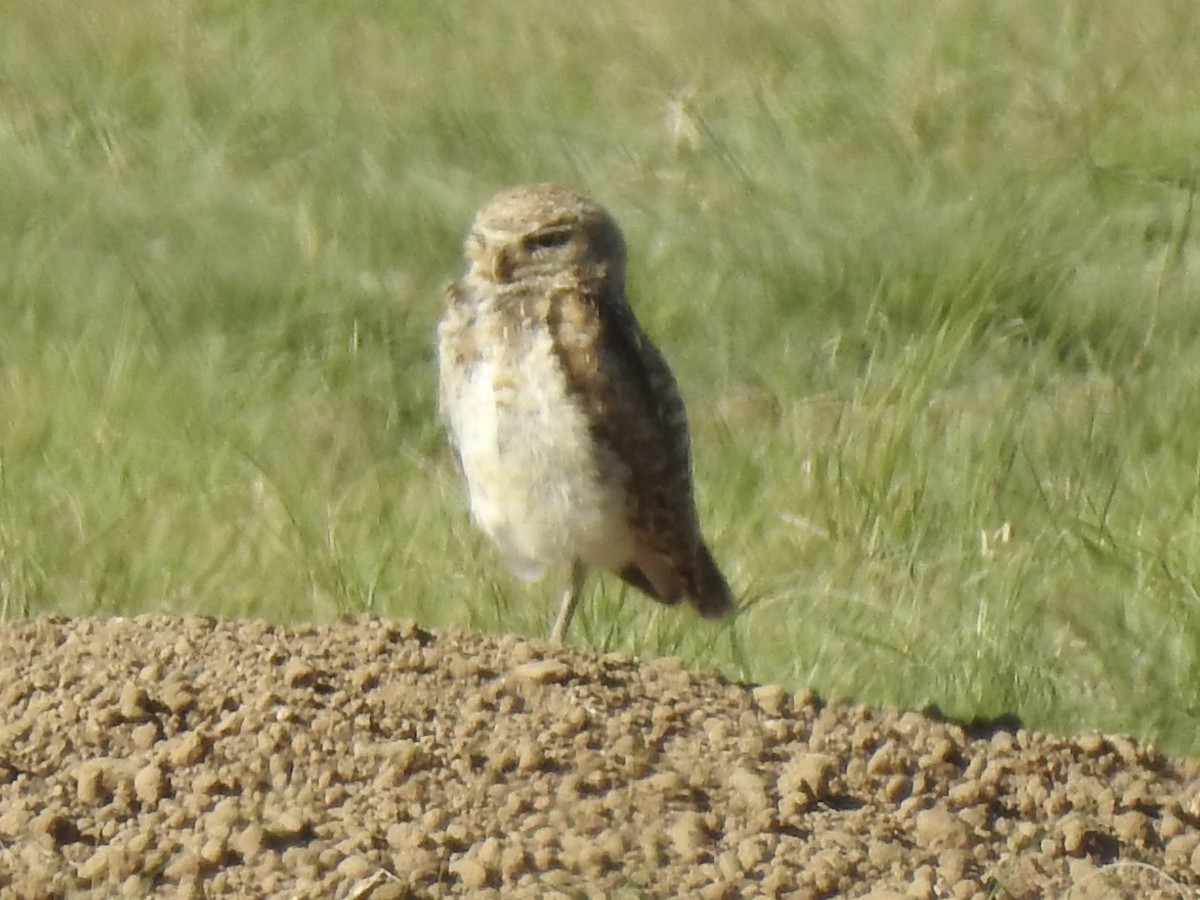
x=539 y=230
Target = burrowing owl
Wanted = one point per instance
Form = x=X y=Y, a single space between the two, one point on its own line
x=565 y=420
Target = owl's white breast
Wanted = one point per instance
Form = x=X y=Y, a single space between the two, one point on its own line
x=537 y=487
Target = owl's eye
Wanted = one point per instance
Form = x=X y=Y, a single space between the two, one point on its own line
x=547 y=239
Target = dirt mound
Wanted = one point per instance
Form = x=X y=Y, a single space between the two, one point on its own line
x=189 y=757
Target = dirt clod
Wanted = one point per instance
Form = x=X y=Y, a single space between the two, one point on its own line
x=541 y=671
x=941 y=829
x=188 y=757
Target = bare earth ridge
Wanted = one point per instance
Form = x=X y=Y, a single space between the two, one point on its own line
x=161 y=756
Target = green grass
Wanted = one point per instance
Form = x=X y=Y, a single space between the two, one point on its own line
x=929 y=280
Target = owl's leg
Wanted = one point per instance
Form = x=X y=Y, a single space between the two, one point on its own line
x=570 y=600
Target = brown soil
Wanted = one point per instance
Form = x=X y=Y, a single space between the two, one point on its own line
x=187 y=757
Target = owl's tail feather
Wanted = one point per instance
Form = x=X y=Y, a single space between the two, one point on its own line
x=701 y=582
x=634 y=576
x=707 y=588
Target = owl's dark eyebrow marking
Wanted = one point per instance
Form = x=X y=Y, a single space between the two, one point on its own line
x=548 y=237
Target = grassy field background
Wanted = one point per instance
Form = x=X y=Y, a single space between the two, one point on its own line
x=927 y=274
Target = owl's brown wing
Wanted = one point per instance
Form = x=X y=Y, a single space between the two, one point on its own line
x=637 y=417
